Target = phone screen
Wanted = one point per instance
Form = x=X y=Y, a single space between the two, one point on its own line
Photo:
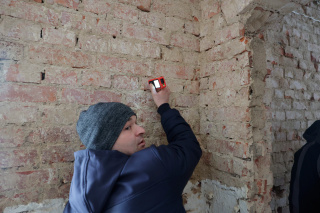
x=156 y=83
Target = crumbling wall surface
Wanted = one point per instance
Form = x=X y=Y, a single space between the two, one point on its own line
x=244 y=79
x=57 y=57
x=226 y=132
x=235 y=127
x=292 y=90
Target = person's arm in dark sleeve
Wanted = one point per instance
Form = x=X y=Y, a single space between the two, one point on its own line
x=183 y=152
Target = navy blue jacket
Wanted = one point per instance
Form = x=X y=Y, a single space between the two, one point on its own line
x=151 y=180
x=304 y=194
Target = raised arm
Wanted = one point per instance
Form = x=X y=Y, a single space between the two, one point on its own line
x=183 y=152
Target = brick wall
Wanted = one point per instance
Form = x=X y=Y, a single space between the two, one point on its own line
x=245 y=80
x=57 y=57
x=224 y=99
x=292 y=90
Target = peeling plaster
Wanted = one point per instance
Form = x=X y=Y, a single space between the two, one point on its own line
x=48 y=206
x=212 y=196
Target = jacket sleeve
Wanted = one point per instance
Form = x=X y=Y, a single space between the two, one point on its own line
x=182 y=154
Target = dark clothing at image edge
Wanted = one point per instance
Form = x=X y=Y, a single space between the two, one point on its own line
x=304 y=194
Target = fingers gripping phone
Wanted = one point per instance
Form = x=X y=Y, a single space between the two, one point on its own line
x=158 y=83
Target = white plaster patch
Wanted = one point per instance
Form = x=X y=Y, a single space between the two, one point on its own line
x=212 y=196
x=48 y=206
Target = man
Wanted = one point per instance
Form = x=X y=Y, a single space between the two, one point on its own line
x=305 y=175
x=116 y=173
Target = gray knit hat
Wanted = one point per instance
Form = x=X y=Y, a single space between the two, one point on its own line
x=101 y=124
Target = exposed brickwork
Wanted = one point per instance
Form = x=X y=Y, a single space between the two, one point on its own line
x=59 y=56
x=292 y=88
x=243 y=77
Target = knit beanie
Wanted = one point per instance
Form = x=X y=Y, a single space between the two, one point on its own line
x=101 y=124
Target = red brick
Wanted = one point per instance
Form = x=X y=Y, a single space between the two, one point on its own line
x=27 y=196
x=65 y=173
x=105 y=96
x=221 y=36
x=229 y=114
x=191 y=58
x=145 y=34
x=226 y=50
x=97 y=6
x=147 y=116
x=57 y=75
x=174 y=71
x=28 y=179
x=261 y=164
x=235 y=78
x=123 y=66
x=68 y=3
x=54 y=135
x=180 y=9
x=59 y=116
x=185 y=41
x=96 y=78
x=262 y=186
x=245 y=77
x=28 y=93
x=49 y=55
x=143 y=5
x=21 y=29
x=82 y=96
x=186 y=101
x=15 y=158
x=79 y=96
x=242 y=167
x=222 y=163
x=25 y=72
x=11 y=51
x=60 y=191
x=161 y=6
x=175 y=24
x=210 y=10
x=233 y=97
x=108 y=27
x=30 y=11
x=126 y=12
x=93 y=43
x=135 y=48
x=125 y=82
x=236 y=149
x=139 y=98
x=11 y=136
x=59 y=37
x=192 y=87
x=57 y=153
x=152 y=19
x=192 y=116
x=208 y=98
x=20 y=114
x=172 y=54
x=144 y=83
x=78 y=21
x=192 y=27
x=226 y=66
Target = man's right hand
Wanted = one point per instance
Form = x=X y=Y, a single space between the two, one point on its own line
x=160 y=97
